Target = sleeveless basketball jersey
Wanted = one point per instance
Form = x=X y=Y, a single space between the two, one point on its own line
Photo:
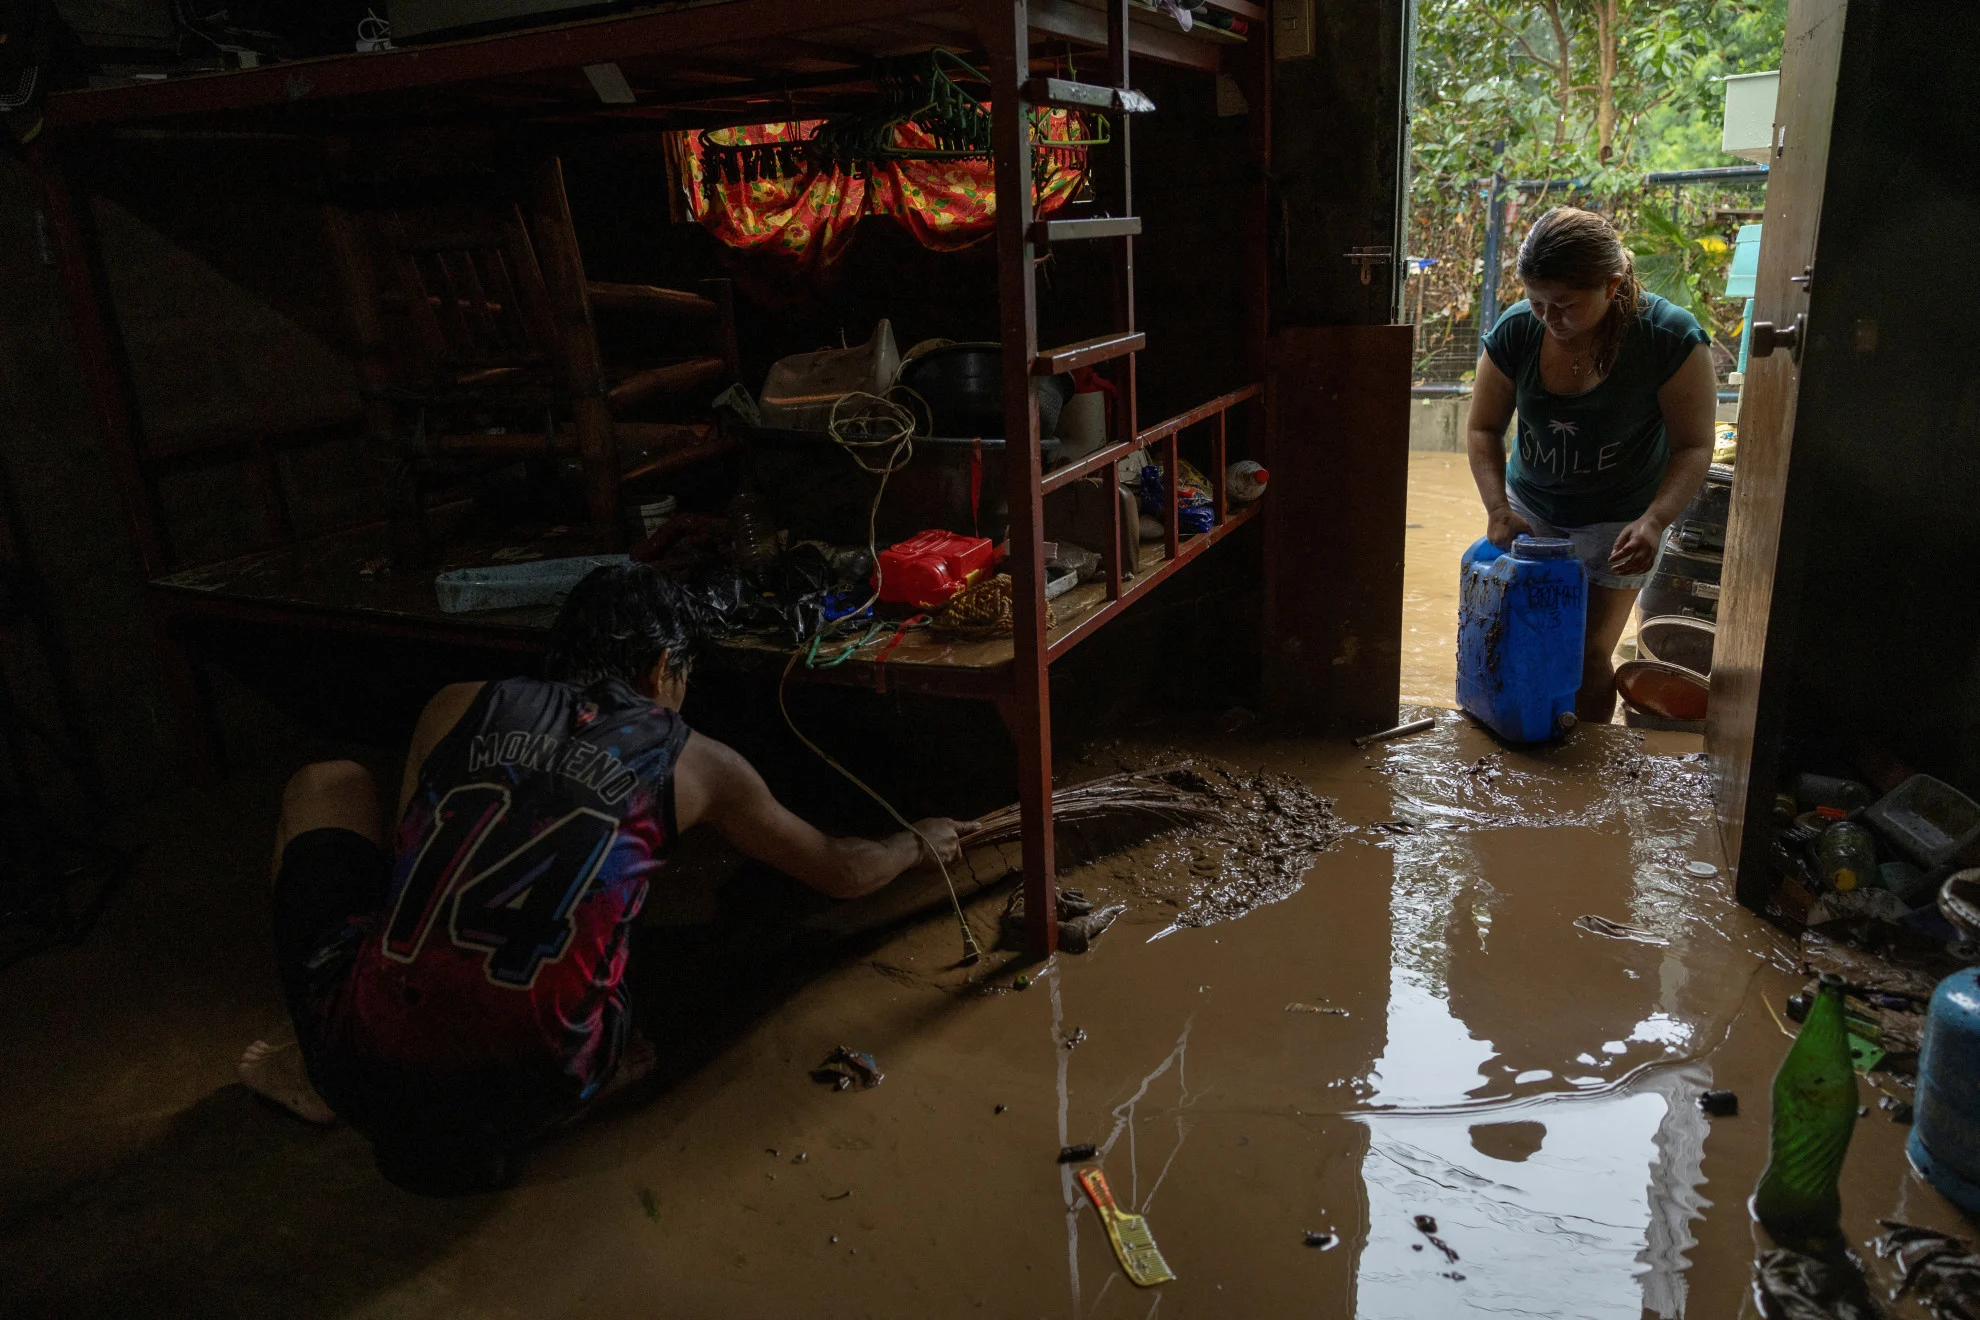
x=521 y=863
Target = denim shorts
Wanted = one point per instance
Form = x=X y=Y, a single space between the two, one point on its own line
x=1593 y=545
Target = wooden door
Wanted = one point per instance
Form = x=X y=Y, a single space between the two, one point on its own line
x=1760 y=585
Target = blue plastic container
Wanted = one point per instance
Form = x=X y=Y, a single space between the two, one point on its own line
x=1521 y=619
x=1944 y=1145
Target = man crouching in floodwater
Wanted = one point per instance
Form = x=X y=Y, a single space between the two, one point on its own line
x=456 y=997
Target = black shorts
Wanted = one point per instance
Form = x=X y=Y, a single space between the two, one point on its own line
x=331 y=893
x=331 y=884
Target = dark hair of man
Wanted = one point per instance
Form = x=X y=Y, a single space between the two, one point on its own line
x=618 y=622
x=1579 y=249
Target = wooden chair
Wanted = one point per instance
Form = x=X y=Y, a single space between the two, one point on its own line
x=477 y=346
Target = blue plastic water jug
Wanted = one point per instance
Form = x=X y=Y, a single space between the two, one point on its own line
x=1944 y=1145
x=1521 y=619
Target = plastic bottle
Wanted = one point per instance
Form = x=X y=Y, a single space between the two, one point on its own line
x=1846 y=856
x=1814 y=1116
x=649 y=513
x=1245 y=482
x=752 y=529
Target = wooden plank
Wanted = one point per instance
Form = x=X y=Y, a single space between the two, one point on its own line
x=1028 y=713
x=1339 y=422
x=1068 y=95
x=649 y=298
x=665 y=382
x=1761 y=585
x=565 y=47
x=1087 y=353
x=1069 y=231
x=1078 y=22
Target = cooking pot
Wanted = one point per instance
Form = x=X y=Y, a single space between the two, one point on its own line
x=963 y=385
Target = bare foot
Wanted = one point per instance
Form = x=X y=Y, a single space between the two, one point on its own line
x=276 y=1072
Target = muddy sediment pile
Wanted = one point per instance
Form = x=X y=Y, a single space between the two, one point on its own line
x=1267 y=830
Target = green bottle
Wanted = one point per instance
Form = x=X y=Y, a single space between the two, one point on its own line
x=1814 y=1115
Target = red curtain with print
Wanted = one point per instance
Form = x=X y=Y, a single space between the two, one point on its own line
x=807 y=221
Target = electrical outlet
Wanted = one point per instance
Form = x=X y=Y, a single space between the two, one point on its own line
x=1292 y=29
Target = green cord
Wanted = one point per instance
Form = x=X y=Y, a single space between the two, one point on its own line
x=811 y=661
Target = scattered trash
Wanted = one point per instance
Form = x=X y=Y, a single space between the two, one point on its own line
x=1323 y=1241
x=841 y=1196
x=1416 y=1246
x=771 y=1151
x=1864 y=903
x=1077 y=935
x=1936 y=1266
x=1000 y=1109
x=1400 y=731
x=1901 y=1111
x=800 y=1158
x=1023 y=982
x=1454 y=1275
x=1134 y=1245
x=1719 y=1104
x=1395 y=826
x=1427 y=1226
x=1617 y=930
x=844 y=1067
x=1790 y=1286
x=1084 y=1150
x=649 y=1203
x=1077 y=1038
x=1703 y=870
x=1316 y=1008
x=835 y=1237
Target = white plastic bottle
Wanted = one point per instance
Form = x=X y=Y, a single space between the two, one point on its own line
x=1245 y=482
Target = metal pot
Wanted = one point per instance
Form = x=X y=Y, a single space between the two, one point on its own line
x=963 y=385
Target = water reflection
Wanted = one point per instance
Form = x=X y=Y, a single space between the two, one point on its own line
x=1535 y=1092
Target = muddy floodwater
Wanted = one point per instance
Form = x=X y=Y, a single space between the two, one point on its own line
x=1452 y=1071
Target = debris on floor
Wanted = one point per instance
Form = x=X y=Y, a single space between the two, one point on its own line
x=845 y=1067
x=1790 y=1286
x=1400 y=731
x=1078 y=1152
x=1322 y=1241
x=1316 y=1008
x=1719 y=1104
x=1935 y=1267
x=1134 y=1245
x=1617 y=930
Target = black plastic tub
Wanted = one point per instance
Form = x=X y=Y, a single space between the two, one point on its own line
x=819 y=493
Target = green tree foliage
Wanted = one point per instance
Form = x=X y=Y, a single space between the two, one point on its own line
x=1593 y=91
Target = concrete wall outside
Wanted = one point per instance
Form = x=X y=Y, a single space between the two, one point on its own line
x=1436 y=425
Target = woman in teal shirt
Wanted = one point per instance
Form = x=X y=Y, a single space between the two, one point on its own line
x=1615 y=392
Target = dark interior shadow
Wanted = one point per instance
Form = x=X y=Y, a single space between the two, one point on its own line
x=235 y=1210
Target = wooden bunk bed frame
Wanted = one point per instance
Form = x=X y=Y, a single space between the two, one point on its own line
x=694 y=65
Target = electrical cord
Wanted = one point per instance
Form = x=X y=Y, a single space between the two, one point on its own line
x=878 y=434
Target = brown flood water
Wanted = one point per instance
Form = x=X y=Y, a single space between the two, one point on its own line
x=1528 y=1083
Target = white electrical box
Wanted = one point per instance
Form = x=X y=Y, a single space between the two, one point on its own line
x=1749 y=124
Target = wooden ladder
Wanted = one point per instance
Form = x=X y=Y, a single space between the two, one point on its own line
x=1028 y=710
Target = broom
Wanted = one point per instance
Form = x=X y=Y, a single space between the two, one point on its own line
x=1137 y=792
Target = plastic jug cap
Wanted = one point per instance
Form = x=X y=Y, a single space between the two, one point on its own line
x=1542 y=547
